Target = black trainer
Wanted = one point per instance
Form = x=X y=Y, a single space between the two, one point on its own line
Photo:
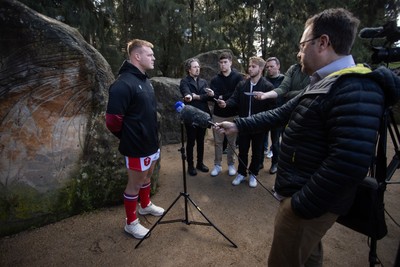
x=273 y=169
x=202 y=167
x=192 y=171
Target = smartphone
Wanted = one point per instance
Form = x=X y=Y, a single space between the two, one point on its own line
x=249 y=93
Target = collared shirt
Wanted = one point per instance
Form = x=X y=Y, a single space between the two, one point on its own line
x=341 y=63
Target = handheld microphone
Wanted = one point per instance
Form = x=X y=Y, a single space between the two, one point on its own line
x=195 y=116
x=389 y=30
x=368 y=33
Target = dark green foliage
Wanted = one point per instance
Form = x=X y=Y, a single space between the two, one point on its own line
x=96 y=185
x=181 y=29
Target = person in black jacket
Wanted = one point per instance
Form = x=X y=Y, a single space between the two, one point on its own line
x=293 y=83
x=246 y=105
x=275 y=77
x=195 y=92
x=330 y=137
x=223 y=85
x=132 y=117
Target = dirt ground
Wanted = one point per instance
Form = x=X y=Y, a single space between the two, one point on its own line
x=244 y=215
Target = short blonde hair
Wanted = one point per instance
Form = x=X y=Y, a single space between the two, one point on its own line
x=135 y=44
x=259 y=61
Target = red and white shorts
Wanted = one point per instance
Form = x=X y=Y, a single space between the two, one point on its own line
x=141 y=164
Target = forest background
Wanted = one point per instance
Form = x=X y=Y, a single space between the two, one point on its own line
x=180 y=29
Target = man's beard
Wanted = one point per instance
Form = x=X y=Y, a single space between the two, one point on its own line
x=254 y=75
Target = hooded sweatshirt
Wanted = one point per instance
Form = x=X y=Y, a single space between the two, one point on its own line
x=132 y=112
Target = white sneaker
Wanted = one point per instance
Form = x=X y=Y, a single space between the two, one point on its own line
x=270 y=154
x=136 y=229
x=252 y=181
x=239 y=178
x=151 y=209
x=217 y=169
x=231 y=170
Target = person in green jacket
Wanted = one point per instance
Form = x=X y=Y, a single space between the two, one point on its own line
x=294 y=82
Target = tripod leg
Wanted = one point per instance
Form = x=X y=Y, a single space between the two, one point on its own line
x=158 y=221
x=213 y=225
x=186 y=196
x=373 y=258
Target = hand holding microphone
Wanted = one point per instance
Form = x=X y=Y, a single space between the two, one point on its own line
x=226 y=127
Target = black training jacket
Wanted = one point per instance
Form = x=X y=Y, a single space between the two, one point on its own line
x=223 y=87
x=242 y=102
x=188 y=85
x=132 y=97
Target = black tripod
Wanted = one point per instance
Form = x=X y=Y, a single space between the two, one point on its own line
x=367 y=215
x=385 y=172
x=187 y=198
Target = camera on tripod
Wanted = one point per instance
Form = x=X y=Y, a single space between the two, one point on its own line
x=384 y=53
x=367 y=214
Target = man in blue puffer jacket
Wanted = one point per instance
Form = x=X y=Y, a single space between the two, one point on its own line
x=329 y=139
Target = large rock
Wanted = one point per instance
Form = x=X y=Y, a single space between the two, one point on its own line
x=54 y=145
x=167 y=94
x=56 y=156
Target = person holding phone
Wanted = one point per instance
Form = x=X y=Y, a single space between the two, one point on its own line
x=195 y=92
x=223 y=84
x=244 y=102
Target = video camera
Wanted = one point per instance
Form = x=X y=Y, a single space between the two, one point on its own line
x=385 y=53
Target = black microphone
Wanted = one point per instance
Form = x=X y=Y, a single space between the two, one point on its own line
x=369 y=33
x=195 y=116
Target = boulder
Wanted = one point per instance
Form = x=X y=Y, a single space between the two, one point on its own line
x=167 y=94
x=54 y=144
x=56 y=156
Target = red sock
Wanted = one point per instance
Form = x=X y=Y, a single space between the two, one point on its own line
x=130 y=202
x=144 y=195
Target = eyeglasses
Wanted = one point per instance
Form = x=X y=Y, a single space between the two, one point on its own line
x=302 y=44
